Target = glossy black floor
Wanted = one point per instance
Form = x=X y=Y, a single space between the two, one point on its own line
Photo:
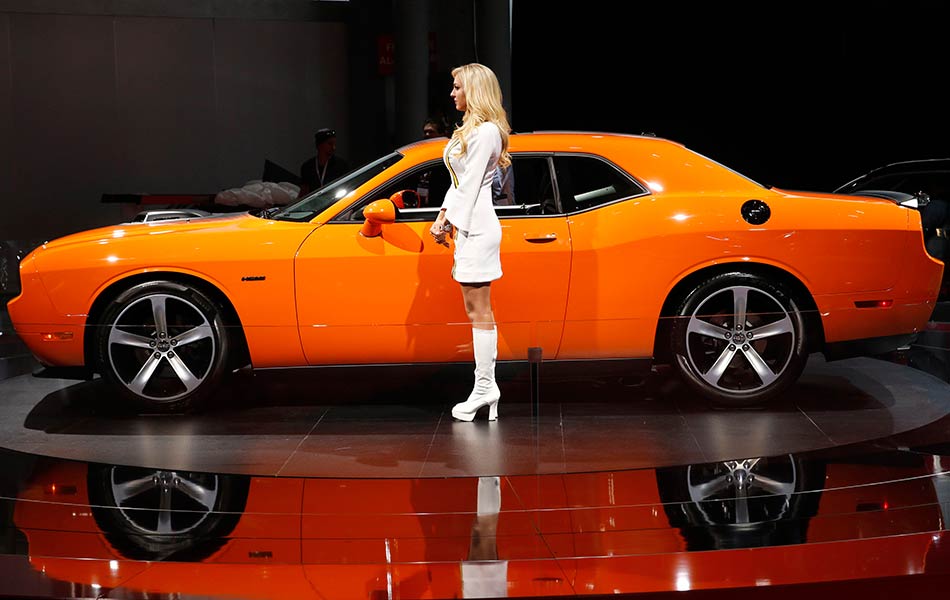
x=389 y=423
x=357 y=483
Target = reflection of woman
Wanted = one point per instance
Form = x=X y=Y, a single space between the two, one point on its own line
x=483 y=575
x=472 y=155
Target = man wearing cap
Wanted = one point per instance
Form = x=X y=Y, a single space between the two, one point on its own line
x=326 y=166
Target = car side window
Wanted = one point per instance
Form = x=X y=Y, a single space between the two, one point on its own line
x=418 y=194
x=585 y=182
x=934 y=184
x=524 y=188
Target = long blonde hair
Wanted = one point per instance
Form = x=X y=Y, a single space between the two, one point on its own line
x=482 y=104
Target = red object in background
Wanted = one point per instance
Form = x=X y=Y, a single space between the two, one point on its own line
x=385 y=53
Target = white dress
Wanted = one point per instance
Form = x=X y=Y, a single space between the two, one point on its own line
x=468 y=204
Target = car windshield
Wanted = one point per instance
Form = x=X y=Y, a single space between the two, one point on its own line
x=312 y=205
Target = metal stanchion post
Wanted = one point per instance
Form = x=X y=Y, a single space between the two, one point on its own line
x=534 y=364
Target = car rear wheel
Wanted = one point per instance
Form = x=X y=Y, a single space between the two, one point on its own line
x=744 y=503
x=163 y=345
x=738 y=339
x=153 y=514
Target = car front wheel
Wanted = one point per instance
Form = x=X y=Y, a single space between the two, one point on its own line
x=739 y=339
x=163 y=345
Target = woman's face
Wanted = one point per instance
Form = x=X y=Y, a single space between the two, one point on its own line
x=458 y=94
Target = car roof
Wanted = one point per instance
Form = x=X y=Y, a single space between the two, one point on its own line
x=915 y=166
x=925 y=164
x=595 y=142
x=531 y=140
x=655 y=158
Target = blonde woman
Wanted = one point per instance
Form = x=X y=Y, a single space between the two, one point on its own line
x=472 y=155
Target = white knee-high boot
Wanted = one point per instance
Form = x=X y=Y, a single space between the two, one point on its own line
x=485 y=392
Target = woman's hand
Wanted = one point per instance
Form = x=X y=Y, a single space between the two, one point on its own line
x=440 y=229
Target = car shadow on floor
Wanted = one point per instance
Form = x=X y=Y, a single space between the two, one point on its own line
x=248 y=402
x=291 y=402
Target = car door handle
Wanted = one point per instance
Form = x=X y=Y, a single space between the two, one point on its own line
x=540 y=238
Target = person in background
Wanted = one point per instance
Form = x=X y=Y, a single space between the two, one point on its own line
x=472 y=155
x=503 y=186
x=434 y=127
x=319 y=170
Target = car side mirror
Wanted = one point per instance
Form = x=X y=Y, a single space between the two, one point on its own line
x=405 y=199
x=377 y=214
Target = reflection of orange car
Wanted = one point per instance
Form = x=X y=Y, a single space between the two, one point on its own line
x=603 y=237
x=777 y=520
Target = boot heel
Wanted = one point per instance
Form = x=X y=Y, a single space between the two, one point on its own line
x=493 y=411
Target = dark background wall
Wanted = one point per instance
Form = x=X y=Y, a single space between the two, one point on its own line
x=802 y=95
x=190 y=96
x=143 y=97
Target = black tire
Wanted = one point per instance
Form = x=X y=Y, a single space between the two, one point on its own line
x=163 y=345
x=154 y=514
x=744 y=361
x=747 y=503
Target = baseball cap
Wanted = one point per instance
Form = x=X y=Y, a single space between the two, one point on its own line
x=323 y=135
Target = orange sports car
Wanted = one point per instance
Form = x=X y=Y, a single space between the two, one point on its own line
x=621 y=248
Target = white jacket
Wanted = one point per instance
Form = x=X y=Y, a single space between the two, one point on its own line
x=468 y=203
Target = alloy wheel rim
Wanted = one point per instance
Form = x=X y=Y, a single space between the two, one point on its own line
x=740 y=339
x=161 y=347
x=158 y=502
x=743 y=492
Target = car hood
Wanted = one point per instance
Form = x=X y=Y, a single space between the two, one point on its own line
x=158 y=228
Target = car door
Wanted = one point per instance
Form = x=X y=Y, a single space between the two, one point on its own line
x=611 y=308
x=391 y=298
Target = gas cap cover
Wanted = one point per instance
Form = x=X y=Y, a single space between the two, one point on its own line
x=756 y=212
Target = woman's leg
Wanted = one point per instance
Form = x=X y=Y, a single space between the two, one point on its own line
x=477 y=299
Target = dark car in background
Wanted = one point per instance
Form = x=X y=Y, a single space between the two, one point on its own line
x=916 y=177
x=11 y=251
